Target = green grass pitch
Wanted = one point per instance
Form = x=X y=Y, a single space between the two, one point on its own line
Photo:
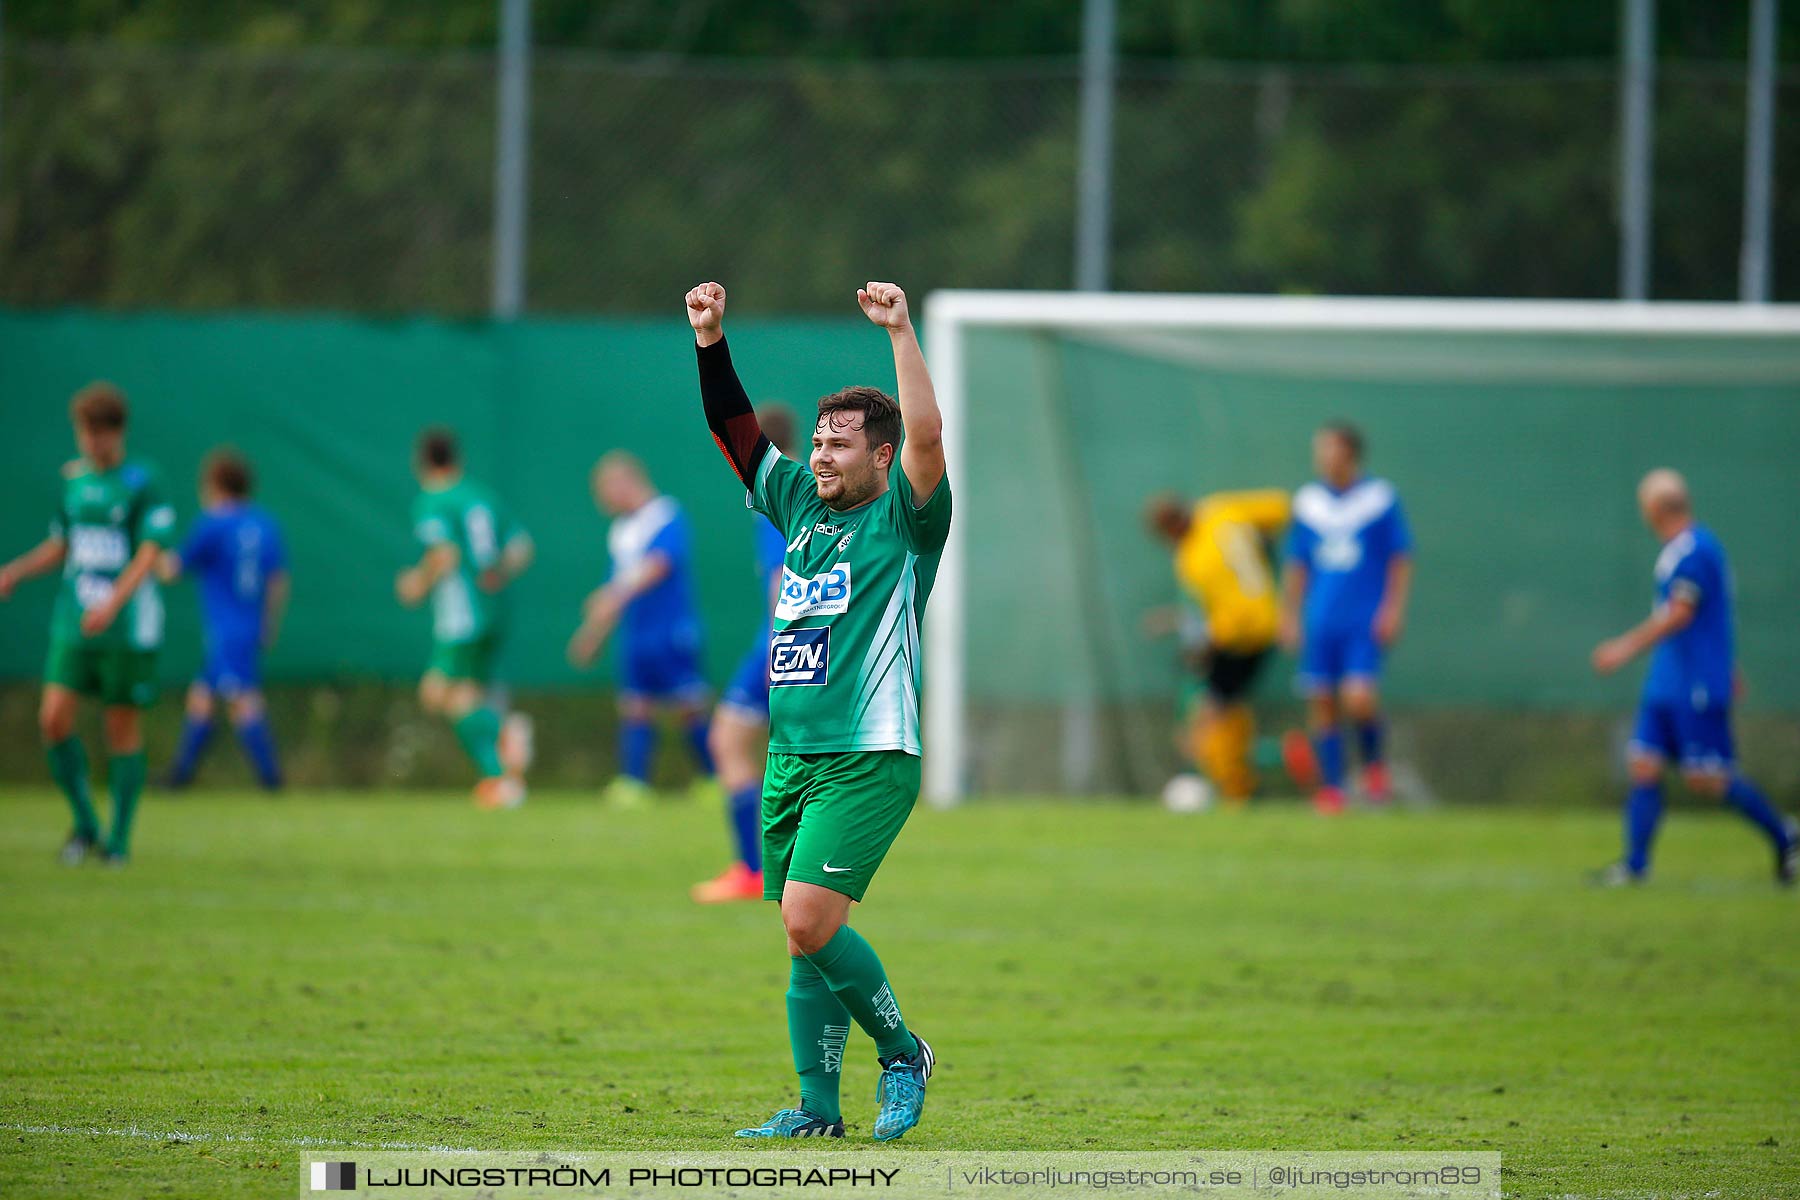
x=276 y=976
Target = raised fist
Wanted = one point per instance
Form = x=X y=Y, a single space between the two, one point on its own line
x=706 y=312
x=884 y=304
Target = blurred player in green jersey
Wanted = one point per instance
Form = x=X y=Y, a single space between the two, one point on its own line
x=473 y=551
x=109 y=526
x=863 y=544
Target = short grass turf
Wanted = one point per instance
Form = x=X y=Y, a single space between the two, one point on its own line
x=271 y=977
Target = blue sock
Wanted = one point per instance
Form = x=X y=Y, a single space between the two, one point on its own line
x=1643 y=812
x=259 y=744
x=1368 y=739
x=1743 y=796
x=745 y=807
x=637 y=743
x=1328 y=744
x=696 y=735
x=194 y=736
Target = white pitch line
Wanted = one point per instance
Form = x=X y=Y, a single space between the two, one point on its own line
x=152 y=1135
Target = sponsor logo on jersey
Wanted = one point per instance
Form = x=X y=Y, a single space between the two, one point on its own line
x=825 y=594
x=844 y=542
x=1339 y=552
x=799 y=657
x=98 y=548
x=828 y=530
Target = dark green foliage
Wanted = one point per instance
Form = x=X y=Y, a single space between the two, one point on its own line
x=186 y=154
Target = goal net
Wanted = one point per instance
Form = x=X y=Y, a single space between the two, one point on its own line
x=1515 y=433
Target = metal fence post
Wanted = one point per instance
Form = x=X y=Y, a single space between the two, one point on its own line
x=1637 y=79
x=512 y=135
x=1093 y=184
x=1759 y=154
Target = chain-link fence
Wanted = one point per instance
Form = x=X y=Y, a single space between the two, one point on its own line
x=363 y=181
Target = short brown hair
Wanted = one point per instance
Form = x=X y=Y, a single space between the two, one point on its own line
x=880 y=413
x=437 y=448
x=1168 y=514
x=99 y=405
x=229 y=471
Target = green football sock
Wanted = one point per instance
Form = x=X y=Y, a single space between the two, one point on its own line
x=69 y=767
x=818 y=1025
x=854 y=973
x=125 y=780
x=479 y=731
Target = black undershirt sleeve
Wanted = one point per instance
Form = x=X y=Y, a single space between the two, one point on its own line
x=729 y=414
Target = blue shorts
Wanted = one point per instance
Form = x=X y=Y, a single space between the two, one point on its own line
x=664 y=671
x=1699 y=739
x=233 y=665
x=1330 y=656
x=748 y=690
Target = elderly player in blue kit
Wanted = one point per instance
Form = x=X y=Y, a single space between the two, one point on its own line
x=234 y=554
x=648 y=597
x=1684 y=717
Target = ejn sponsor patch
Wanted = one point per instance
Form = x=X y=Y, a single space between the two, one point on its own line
x=799 y=657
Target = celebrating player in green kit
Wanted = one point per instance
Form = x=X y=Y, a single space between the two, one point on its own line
x=863 y=544
x=106 y=534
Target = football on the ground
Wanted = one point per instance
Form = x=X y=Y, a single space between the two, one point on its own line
x=1187 y=793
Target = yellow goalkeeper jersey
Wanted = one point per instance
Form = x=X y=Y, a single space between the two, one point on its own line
x=1223 y=562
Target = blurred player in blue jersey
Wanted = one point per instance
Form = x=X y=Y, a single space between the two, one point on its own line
x=741 y=718
x=1684 y=717
x=234 y=552
x=1349 y=573
x=649 y=597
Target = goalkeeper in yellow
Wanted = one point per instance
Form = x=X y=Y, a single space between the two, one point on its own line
x=1223 y=560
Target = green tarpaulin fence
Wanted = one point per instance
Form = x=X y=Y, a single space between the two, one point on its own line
x=327 y=410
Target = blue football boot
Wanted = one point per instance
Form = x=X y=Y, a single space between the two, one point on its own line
x=794 y=1123
x=901 y=1090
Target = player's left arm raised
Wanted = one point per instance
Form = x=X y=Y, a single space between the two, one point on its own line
x=922 y=454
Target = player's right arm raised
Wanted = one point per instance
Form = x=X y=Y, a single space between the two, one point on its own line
x=728 y=411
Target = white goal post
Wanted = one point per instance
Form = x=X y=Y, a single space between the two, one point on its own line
x=949 y=313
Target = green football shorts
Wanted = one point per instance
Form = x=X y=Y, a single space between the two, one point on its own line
x=465 y=660
x=117 y=676
x=829 y=819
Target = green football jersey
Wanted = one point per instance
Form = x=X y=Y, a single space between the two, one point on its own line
x=469 y=517
x=845 y=669
x=102 y=519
